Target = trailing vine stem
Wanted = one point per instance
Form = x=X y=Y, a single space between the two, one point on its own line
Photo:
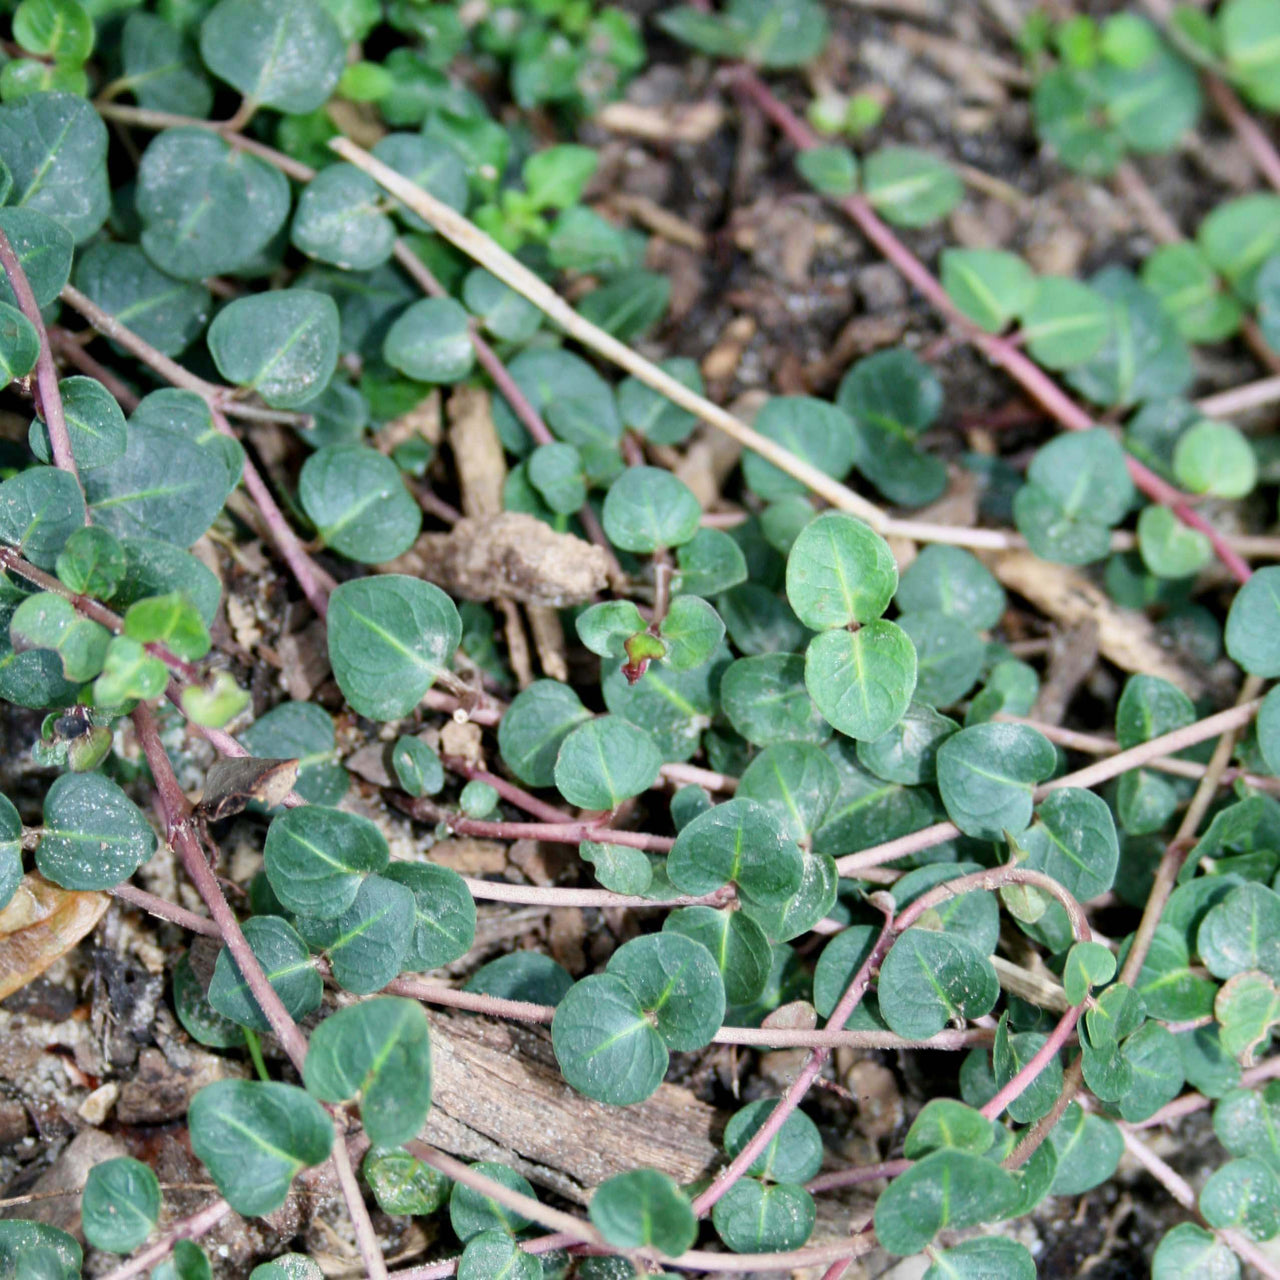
x=49 y=395
x=181 y=832
x=1001 y=351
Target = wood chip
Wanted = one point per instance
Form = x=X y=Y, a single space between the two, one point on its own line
x=509 y=555
x=477 y=451
x=1125 y=637
x=497 y=1094
x=662 y=222
x=470 y=857
x=693 y=124
x=548 y=640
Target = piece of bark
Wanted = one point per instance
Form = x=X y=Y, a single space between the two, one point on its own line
x=497 y=1094
x=510 y=555
x=477 y=452
x=548 y=639
x=1125 y=637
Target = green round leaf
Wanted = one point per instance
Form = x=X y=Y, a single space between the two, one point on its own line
x=986 y=774
x=798 y=779
x=187 y=1262
x=1215 y=458
x=840 y=571
x=54 y=146
x=1252 y=636
x=743 y=841
x=120 y=1205
x=417 y=767
x=987 y=1256
x=338 y=220
x=289 y=1266
x=367 y=944
x=168 y=313
x=494 y=1255
x=766 y=700
x=644 y=1209
x=429 y=163
x=618 y=867
x=555 y=470
x=605 y=761
x=1088 y=1148
x=431 y=342
x=709 y=563
x=358 y=502
x=94 y=835
x=944 y=1124
x=162 y=69
x=736 y=943
x=1244 y=1194
x=953 y=581
x=753 y=1218
x=534 y=727
x=604 y=1043
x=908 y=752
x=1143 y=358
x=284 y=959
x=1074 y=840
x=831 y=171
x=1190 y=291
x=692 y=632
x=40 y=508
x=818 y=433
x=1238 y=237
x=285 y=54
x=316 y=858
x=908 y=187
x=793 y=1154
x=650 y=412
x=206 y=208
x=389 y=638
x=949 y=656
x=929 y=978
x=1189 y=1252
x=1241 y=932
x=253 y=1138
x=862 y=681
x=678 y=985
x=948 y=1188
x=445 y=914
x=201 y=1021
x=472 y=1211
x=378 y=1051
x=522 y=975
x=43 y=248
x=1066 y=323
x=401 y=1183
x=19 y=344
x=647 y=508
x=301 y=731
x=58 y=1255
x=283 y=344
x=504 y=312
x=1169 y=548
x=588 y=416
x=989 y=286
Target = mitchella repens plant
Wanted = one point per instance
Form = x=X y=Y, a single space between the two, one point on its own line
x=808 y=770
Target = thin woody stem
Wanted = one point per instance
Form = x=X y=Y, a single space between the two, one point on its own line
x=46 y=372
x=192 y=1228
